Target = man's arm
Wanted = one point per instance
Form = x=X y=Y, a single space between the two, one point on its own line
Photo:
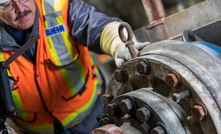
x=98 y=32
x=86 y=24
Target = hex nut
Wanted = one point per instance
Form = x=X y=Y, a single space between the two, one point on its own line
x=120 y=75
x=107 y=98
x=172 y=80
x=104 y=121
x=198 y=113
x=157 y=130
x=112 y=109
x=143 y=67
x=126 y=106
x=100 y=116
x=143 y=114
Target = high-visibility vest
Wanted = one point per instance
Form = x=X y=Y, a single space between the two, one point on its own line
x=63 y=84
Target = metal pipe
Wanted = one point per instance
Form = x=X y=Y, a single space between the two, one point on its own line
x=154 y=9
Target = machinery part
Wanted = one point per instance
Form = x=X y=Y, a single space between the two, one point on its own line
x=199 y=113
x=143 y=114
x=181 y=93
x=112 y=109
x=157 y=130
x=127 y=40
x=143 y=67
x=108 y=129
x=154 y=9
x=126 y=106
x=104 y=121
x=177 y=97
x=120 y=75
x=172 y=27
x=172 y=80
x=107 y=97
x=189 y=36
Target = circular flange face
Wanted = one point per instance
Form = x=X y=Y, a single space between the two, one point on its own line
x=176 y=86
x=160 y=113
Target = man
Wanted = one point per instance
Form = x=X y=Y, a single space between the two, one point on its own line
x=56 y=86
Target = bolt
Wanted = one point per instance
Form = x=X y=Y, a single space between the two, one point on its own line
x=101 y=116
x=107 y=98
x=143 y=67
x=112 y=109
x=177 y=97
x=198 y=113
x=172 y=80
x=120 y=75
x=104 y=121
x=126 y=106
x=157 y=130
x=143 y=114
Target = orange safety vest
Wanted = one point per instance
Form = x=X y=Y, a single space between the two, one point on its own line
x=63 y=84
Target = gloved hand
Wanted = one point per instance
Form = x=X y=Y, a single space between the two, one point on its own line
x=9 y=129
x=111 y=44
x=122 y=54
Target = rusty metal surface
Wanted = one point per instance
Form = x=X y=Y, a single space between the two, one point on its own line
x=201 y=60
x=172 y=27
x=193 y=97
x=160 y=113
x=154 y=9
x=108 y=129
x=127 y=40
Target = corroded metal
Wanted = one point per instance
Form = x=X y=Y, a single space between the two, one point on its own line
x=108 y=129
x=143 y=67
x=191 y=102
x=205 y=14
x=177 y=97
x=120 y=75
x=107 y=97
x=199 y=113
x=127 y=40
x=172 y=80
x=183 y=87
x=154 y=9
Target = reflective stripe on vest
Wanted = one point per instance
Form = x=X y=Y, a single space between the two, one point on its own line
x=15 y=95
x=20 y=110
x=63 y=52
x=60 y=46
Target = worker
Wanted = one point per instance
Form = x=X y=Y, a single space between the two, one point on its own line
x=55 y=85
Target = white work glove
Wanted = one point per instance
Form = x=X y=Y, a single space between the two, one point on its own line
x=122 y=54
x=112 y=45
x=9 y=129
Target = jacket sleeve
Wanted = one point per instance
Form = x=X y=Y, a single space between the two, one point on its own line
x=86 y=24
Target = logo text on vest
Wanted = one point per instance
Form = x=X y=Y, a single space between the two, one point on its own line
x=55 y=30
